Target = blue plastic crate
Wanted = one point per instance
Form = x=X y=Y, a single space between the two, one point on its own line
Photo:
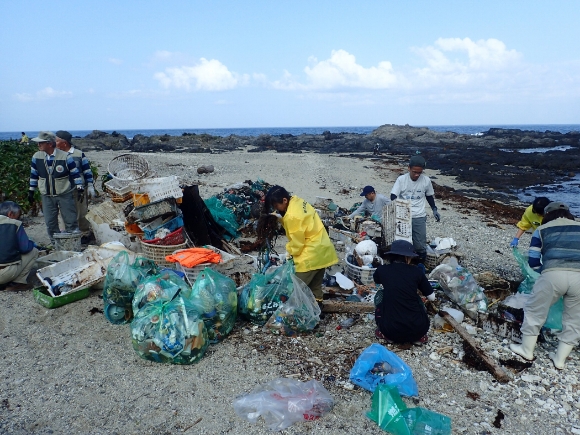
x=172 y=225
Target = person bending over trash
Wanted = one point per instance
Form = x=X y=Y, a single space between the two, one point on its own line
x=555 y=250
x=17 y=252
x=308 y=242
x=417 y=187
x=372 y=205
x=400 y=314
x=531 y=219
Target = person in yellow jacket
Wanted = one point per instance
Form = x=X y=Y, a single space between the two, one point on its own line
x=308 y=242
x=531 y=219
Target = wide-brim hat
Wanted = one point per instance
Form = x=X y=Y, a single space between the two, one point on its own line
x=44 y=136
x=402 y=247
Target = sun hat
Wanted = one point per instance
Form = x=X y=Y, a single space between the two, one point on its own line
x=553 y=206
x=402 y=247
x=44 y=136
x=64 y=135
x=417 y=161
x=367 y=190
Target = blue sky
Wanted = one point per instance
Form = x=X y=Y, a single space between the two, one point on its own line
x=217 y=64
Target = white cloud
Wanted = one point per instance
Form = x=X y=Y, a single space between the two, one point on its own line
x=207 y=75
x=44 y=94
x=115 y=61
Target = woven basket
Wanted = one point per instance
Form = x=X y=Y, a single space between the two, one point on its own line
x=128 y=167
x=157 y=253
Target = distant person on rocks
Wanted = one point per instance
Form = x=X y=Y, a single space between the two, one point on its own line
x=372 y=205
x=55 y=174
x=64 y=143
x=17 y=252
x=531 y=219
x=308 y=241
x=400 y=314
x=376 y=149
x=24 y=139
x=417 y=187
x=555 y=250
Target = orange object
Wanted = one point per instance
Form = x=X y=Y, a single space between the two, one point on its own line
x=140 y=199
x=133 y=229
x=193 y=256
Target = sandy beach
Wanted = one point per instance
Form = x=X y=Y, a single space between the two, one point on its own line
x=68 y=370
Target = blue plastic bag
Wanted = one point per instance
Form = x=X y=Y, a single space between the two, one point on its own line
x=378 y=365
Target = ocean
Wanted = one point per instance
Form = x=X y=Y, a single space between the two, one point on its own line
x=568 y=192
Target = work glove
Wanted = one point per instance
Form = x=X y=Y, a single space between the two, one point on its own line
x=436 y=214
x=431 y=297
x=80 y=193
x=30 y=196
x=514 y=242
x=91 y=192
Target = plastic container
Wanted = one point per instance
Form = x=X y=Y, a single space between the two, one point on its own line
x=157 y=253
x=174 y=238
x=171 y=225
x=159 y=188
x=140 y=199
x=53 y=258
x=67 y=241
x=362 y=274
x=152 y=210
x=44 y=298
x=192 y=272
x=118 y=190
x=128 y=167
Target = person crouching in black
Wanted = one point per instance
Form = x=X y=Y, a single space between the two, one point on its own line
x=399 y=311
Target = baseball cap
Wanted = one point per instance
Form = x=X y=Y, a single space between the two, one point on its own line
x=553 y=206
x=44 y=136
x=64 y=135
x=367 y=190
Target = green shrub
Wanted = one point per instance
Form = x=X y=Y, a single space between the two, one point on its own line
x=15 y=171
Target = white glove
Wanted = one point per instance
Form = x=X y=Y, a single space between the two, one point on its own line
x=91 y=191
x=431 y=297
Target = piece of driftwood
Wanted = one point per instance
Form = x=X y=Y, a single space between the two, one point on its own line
x=347 y=307
x=494 y=368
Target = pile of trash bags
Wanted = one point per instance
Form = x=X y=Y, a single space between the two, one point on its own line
x=279 y=300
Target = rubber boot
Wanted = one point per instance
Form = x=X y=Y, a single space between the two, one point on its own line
x=526 y=349
x=562 y=352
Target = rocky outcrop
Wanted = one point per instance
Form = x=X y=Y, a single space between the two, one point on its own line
x=99 y=140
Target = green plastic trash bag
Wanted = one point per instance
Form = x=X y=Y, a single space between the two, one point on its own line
x=223 y=216
x=162 y=287
x=386 y=410
x=121 y=282
x=421 y=421
x=268 y=291
x=300 y=313
x=215 y=297
x=166 y=331
x=530 y=275
x=554 y=319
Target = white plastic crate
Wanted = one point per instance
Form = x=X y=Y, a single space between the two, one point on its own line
x=118 y=187
x=362 y=274
x=397 y=221
x=158 y=188
x=54 y=257
x=192 y=272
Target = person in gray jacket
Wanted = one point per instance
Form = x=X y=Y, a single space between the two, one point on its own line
x=372 y=205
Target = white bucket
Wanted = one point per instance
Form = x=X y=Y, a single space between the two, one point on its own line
x=67 y=241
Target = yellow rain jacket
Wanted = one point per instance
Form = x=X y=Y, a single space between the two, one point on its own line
x=529 y=220
x=308 y=241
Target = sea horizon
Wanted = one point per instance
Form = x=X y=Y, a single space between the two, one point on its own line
x=471 y=129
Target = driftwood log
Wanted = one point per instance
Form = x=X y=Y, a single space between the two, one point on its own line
x=494 y=368
x=347 y=307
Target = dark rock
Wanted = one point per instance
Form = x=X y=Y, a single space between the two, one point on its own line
x=207 y=169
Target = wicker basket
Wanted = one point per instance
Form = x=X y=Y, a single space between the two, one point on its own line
x=157 y=253
x=118 y=190
x=128 y=167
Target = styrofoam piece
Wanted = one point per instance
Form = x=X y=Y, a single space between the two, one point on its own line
x=54 y=257
x=104 y=233
x=397 y=221
x=84 y=270
x=456 y=314
x=343 y=281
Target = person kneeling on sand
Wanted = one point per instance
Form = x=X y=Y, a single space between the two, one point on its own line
x=17 y=252
x=531 y=219
x=400 y=314
x=555 y=250
x=308 y=242
x=372 y=205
